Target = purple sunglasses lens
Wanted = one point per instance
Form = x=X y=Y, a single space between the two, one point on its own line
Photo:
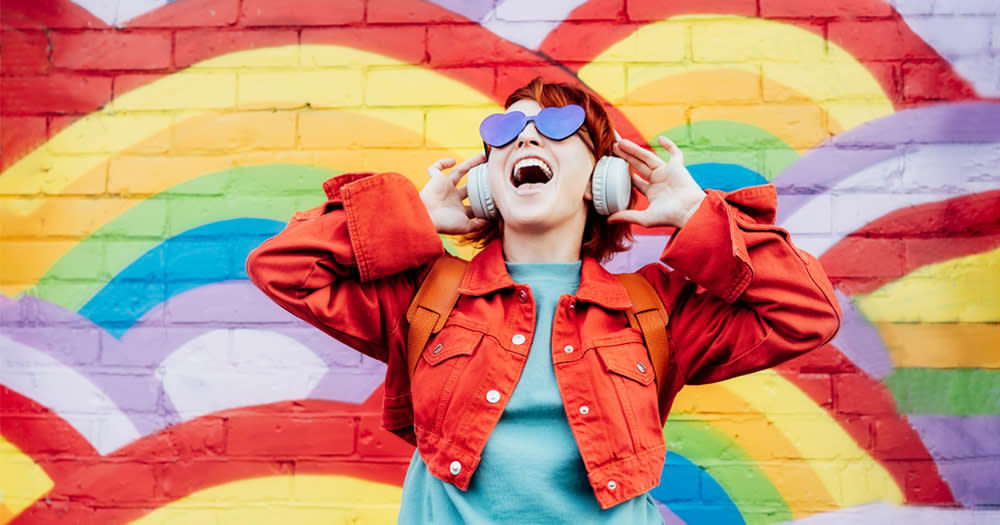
x=556 y=123
x=559 y=123
x=500 y=128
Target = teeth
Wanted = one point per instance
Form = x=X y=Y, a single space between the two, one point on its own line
x=524 y=163
x=527 y=171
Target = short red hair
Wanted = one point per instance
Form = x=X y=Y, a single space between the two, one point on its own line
x=600 y=239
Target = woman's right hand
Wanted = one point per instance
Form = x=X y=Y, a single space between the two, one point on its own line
x=443 y=198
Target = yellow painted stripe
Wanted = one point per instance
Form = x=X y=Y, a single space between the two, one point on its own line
x=242 y=81
x=794 y=476
x=651 y=107
x=942 y=345
x=213 y=142
x=960 y=290
x=300 y=499
x=818 y=439
x=22 y=481
x=800 y=64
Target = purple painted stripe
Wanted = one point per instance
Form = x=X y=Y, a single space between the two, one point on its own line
x=861 y=342
x=856 y=149
x=967 y=452
x=669 y=518
x=125 y=369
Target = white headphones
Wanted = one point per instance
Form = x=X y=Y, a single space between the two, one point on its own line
x=611 y=185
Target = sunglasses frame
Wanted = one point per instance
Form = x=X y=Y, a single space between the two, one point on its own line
x=543 y=123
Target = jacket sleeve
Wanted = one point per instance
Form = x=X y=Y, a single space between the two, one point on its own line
x=740 y=296
x=349 y=267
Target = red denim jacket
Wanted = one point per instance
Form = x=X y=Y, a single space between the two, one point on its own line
x=740 y=297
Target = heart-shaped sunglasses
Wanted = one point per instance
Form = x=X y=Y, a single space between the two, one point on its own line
x=556 y=123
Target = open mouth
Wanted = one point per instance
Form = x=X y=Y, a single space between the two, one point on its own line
x=530 y=171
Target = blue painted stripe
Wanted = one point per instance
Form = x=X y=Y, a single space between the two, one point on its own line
x=203 y=255
x=693 y=495
x=724 y=177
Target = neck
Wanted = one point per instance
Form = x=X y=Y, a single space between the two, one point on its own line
x=553 y=246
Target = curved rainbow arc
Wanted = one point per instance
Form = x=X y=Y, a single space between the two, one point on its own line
x=205 y=199
x=296 y=498
x=754 y=434
x=796 y=417
x=341 y=146
x=824 y=74
x=713 y=93
x=726 y=141
x=702 y=443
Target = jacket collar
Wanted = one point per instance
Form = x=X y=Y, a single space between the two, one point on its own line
x=487 y=273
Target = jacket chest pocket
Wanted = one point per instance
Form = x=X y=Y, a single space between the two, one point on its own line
x=438 y=372
x=628 y=372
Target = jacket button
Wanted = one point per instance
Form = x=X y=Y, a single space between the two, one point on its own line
x=522 y=296
x=568 y=349
x=518 y=339
x=437 y=349
x=493 y=396
x=640 y=367
x=572 y=307
x=455 y=468
x=584 y=409
x=612 y=485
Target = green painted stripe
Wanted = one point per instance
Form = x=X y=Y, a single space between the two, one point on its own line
x=730 y=142
x=749 y=487
x=951 y=391
x=271 y=191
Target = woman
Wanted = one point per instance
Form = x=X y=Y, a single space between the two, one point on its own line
x=536 y=402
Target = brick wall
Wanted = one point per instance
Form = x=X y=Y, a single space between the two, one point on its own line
x=147 y=146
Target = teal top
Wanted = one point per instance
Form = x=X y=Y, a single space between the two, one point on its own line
x=531 y=470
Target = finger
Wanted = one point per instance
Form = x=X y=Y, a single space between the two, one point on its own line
x=463 y=192
x=628 y=216
x=640 y=183
x=456 y=174
x=435 y=169
x=672 y=149
x=644 y=158
x=635 y=163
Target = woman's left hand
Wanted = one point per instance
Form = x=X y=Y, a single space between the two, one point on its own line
x=672 y=193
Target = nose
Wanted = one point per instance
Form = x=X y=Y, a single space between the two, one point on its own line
x=529 y=136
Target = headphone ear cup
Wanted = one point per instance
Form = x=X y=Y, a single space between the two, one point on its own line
x=611 y=185
x=480 y=198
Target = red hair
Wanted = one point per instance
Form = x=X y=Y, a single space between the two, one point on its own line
x=600 y=239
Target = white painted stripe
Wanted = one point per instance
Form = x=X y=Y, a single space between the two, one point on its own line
x=67 y=393
x=924 y=174
x=117 y=12
x=528 y=22
x=225 y=369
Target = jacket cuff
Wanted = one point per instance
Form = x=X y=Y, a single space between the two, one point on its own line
x=710 y=249
x=389 y=227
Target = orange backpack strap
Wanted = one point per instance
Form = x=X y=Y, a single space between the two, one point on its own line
x=430 y=307
x=650 y=316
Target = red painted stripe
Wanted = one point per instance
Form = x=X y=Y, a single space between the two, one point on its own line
x=305 y=436
x=866 y=410
x=904 y=240
x=576 y=43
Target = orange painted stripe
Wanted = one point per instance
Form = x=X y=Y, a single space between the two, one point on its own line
x=942 y=345
x=793 y=475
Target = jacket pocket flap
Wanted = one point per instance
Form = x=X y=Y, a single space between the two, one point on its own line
x=450 y=342
x=630 y=361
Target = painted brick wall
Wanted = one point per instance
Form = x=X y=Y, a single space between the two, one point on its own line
x=148 y=145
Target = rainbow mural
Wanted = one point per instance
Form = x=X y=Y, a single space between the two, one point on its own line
x=143 y=379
